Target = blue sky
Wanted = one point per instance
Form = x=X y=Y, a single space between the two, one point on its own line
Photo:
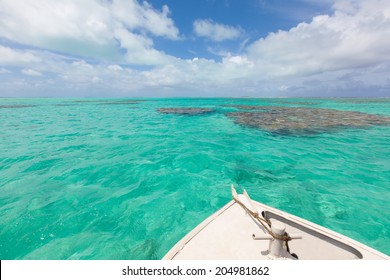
x=164 y=48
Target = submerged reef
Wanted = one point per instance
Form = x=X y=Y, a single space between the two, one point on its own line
x=86 y=101
x=110 y=102
x=298 y=120
x=16 y=106
x=186 y=111
x=363 y=100
x=124 y=102
x=297 y=102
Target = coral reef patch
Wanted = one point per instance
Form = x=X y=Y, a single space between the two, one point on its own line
x=298 y=120
x=15 y=106
x=186 y=111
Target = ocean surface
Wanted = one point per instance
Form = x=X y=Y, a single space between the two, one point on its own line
x=123 y=179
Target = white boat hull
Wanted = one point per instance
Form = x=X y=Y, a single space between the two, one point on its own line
x=228 y=234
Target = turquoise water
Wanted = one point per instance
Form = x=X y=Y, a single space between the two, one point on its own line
x=111 y=180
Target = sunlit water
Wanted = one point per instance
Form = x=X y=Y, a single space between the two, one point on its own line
x=107 y=180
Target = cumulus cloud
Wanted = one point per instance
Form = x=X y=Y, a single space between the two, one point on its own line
x=115 y=67
x=139 y=49
x=102 y=40
x=143 y=16
x=31 y=72
x=10 y=56
x=356 y=35
x=88 y=28
x=216 y=31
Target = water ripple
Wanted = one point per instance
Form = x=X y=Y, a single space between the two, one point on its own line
x=95 y=181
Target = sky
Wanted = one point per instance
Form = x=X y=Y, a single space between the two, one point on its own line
x=201 y=48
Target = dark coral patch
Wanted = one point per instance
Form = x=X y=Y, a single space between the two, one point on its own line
x=110 y=101
x=120 y=102
x=15 y=106
x=298 y=102
x=186 y=111
x=287 y=120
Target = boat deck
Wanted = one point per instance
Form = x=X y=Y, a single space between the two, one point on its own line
x=227 y=234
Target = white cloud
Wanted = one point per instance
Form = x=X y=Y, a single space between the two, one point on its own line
x=10 y=56
x=352 y=37
x=115 y=67
x=31 y=72
x=334 y=53
x=237 y=60
x=216 y=31
x=81 y=64
x=143 y=16
x=56 y=25
x=139 y=49
x=88 y=27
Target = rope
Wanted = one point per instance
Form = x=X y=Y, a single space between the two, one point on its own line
x=266 y=224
